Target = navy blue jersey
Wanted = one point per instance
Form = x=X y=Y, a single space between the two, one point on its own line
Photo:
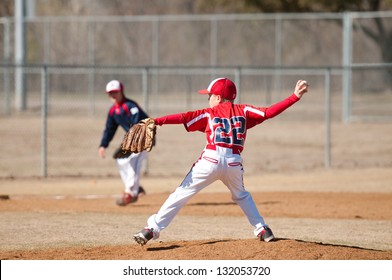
x=124 y=114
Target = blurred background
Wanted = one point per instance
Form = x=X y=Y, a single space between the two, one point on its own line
x=57 y=56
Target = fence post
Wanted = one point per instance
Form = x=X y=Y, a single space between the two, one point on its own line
x=44 y=115
x=91 y=61
x=347 y=60
x=327 y=162
x=20 y=54
x=6 y=74
x=278 y=57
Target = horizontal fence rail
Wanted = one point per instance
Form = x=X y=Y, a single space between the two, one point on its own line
x=72 y=96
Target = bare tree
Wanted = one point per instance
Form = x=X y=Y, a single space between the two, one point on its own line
x=379 y=32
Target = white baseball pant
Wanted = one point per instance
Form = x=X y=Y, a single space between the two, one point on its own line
x=130 y=169
x=220 y=164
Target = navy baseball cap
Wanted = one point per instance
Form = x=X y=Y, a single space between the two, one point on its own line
x=223 y=87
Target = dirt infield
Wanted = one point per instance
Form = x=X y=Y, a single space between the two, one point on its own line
x=344 y=212
x=324 y=214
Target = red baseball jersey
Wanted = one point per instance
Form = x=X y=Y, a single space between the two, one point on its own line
x=226 y=124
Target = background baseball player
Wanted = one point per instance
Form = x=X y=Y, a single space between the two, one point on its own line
x=225 y=125
x=125 y=113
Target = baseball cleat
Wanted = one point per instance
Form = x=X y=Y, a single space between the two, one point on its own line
x=143 y=236
x=126 y=199
x=141 y=191
x=266 y=234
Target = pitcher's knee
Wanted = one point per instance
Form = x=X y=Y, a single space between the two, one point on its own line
x=241 y=196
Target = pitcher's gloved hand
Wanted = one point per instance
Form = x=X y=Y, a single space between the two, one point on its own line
x=140 y=137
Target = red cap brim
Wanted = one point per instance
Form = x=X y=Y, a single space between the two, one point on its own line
x=204 y=91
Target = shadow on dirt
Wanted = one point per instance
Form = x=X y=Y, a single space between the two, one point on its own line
x=325 y=244
x=165 y=248
x=172 y=247
x=276 y=240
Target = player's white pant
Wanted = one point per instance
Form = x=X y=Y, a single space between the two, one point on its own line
x=212 y=165
x=130 y=169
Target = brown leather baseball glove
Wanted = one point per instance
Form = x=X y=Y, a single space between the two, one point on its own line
x=140 y=137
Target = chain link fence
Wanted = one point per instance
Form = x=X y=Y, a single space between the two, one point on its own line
x=163 y=61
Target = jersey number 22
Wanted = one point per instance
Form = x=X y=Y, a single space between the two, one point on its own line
x=229 y=131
